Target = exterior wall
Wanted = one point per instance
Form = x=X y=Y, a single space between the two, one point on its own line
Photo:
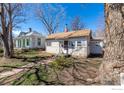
x=33 y=42
x=96 y=47
x=79 y=50
x=54 y=48
x=57 y=48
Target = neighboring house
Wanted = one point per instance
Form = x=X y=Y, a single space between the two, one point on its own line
x=29 y=40
x=1 y=43
x=75 y=43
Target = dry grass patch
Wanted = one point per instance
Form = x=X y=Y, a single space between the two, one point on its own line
x=9 y=64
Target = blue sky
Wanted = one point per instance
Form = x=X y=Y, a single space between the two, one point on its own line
x=91 y=14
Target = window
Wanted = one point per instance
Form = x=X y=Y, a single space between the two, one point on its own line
x=18 y=43
x=38 y=41
x=72 y=44
x=79 y=43
x=27 y=42
x=61 y=43
x=23 y=42
x=65 y=44
x=48 y=43
x=84 y=43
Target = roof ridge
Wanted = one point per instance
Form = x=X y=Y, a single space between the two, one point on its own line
x=71 y=31
x=70 y=34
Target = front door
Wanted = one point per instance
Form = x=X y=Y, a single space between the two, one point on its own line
x=66 y=47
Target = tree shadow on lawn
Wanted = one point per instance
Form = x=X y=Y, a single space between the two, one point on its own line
x=75 y=74
x=33 y=59
x=32 y=55
x=33 y=76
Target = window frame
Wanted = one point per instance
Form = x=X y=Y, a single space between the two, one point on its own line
x=39 y=41
x=78 y=44
x=48 y=43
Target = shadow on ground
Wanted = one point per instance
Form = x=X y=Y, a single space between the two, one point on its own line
x=62 y=71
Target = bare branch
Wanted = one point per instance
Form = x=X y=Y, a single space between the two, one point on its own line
x=50 y=15
x=77 y=24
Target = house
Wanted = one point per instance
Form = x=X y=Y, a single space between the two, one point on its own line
x=76 y=43
x=30 y=40
x=1 y=43
x=96 y=46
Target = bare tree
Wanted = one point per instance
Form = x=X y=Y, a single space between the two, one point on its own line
x=51 y=16
x=100 y=31
x=11 y=16
x=113 y=63
x=77 y=24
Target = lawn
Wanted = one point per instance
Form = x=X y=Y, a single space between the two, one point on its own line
x=62 y=71
x=22 y=58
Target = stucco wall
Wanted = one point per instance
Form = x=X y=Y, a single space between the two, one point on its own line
x=81 y=51
x=54 y=48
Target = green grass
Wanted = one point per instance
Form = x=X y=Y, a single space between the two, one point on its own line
x=22 y=57
x=62 y=62
x=9 y=64
x=35 y=76
x=44 y=74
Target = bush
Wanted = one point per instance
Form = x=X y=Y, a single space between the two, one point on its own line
x=61 y=62
x=1 y=50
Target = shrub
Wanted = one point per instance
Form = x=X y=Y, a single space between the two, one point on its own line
x=62 y=62
x=1 y=50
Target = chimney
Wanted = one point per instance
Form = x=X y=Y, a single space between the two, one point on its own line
x=66 y=29
x=30 y=30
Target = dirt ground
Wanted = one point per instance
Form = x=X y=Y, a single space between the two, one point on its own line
x=80 y=72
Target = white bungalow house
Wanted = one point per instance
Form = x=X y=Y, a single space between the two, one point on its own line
x=30 y=40
x=76 y=43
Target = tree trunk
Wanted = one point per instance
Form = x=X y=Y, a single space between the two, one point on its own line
x=6 y=45
x=6 y=49
x=4 y=33
x=10 y=31
x=113 y=62
x=11 y=43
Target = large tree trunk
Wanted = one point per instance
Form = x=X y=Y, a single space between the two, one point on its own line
x=6 y=48
x=113 y=62
x=10 y=31
x=4 y=33
x=11 y=43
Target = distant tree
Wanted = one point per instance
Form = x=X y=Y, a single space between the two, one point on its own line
x=77 y=24
x=51 y=16
x=11 y=16
x=100 y=30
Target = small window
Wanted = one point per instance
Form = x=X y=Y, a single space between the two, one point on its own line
x=18 y=43
x=79 y=43
x=48 y=43
x=27 y=42
x=72 y=44
x=61 y=43
x=38 y=41
x=23 y=42
x=84 y=43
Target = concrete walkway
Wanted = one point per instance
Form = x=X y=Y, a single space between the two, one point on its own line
x=20 y=69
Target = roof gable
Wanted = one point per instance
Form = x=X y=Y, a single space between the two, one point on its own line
x=30 y=33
